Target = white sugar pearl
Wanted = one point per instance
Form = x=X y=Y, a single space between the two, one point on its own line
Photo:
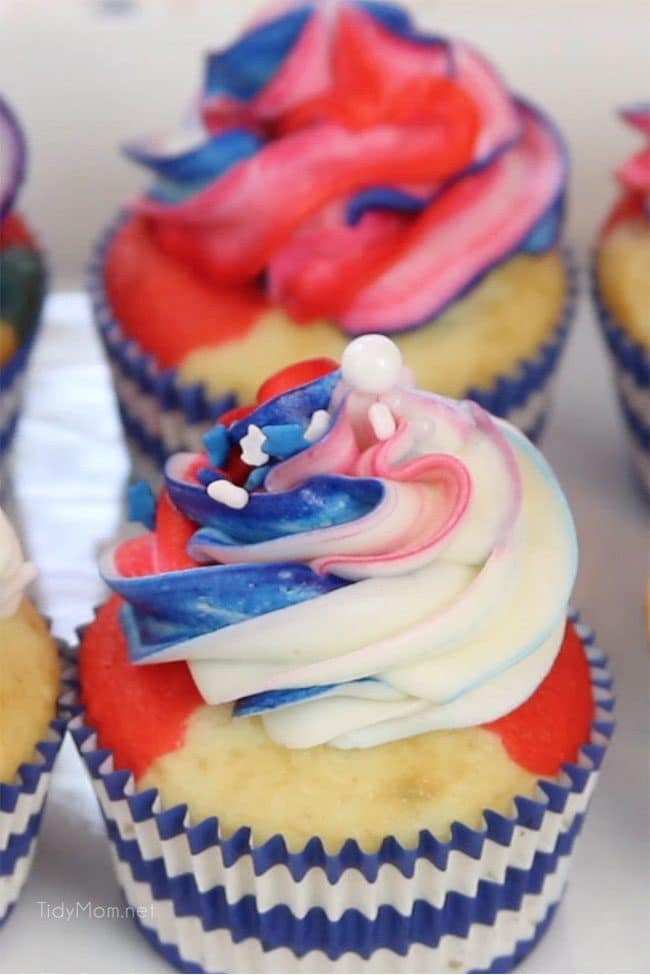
x=372 y=364
x=228 y=493
x=382 y=421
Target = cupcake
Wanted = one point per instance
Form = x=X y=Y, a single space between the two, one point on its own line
x=622 y=291
x=30 y=730
x=340 y=173
x=334 y=710
x=22 y=278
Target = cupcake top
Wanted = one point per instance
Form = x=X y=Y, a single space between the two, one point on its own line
x=352 y=559
x=634 y=174
x=15 y=572
x=22 y=273
x=342 y=164
x=624 y=246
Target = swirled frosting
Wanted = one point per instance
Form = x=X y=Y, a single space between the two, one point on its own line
x=634 y=173
x=15 y=572
x=353 y=167
x=22 y=271
x=354 y=560
x=12 y=158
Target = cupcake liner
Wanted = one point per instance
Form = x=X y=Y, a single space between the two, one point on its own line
x=475 y=902
x=11 y=389
x=524 y=396
x=22 y=801
x=631 y=366
x=161 y=416
x=12 y=382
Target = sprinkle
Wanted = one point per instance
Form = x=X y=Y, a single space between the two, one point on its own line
x=251 y=447
x=228 y=493
x=318 y=425
x=372 y=364
x=141 y=504
x=382 y=421
x=256 y=477
x=284 y=439
x=217 y=444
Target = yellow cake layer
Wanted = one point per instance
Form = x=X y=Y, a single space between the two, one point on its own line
x=624 y=275
x=29 y=686
x=504 y=319
x=231 y=768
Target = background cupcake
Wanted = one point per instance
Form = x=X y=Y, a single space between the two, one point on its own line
x=30 y=731
x=22 y=277
x=338 y=176
x=345 y=588
x=622 y=291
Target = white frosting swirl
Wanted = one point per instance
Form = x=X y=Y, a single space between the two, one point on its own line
x=462 y=576
x=15 y=572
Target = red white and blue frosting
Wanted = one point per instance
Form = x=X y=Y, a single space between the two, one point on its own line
x=354 y=167
x=13 y=155
x=634 y=174
x=364 y=561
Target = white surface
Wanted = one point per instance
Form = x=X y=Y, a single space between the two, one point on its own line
x=70 y=467
x=85 y=81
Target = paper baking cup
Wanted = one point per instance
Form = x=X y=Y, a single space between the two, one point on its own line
x=12 y=382
x=631 y=365
x=22 y=801
x=524 y=395
x=11 y=391
x=478 y=901
x=161 y=415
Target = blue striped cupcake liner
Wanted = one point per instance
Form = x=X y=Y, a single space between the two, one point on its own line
x=162 y=416
x=22 y=801
x=631 y=367
x=477 y=901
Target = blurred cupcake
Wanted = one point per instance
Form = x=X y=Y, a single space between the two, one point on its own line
x=22 y=278
x=622 y=291
x=334 y=709
x=30 y=731
x=341 y=173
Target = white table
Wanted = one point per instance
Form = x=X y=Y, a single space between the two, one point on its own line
x=70 y=468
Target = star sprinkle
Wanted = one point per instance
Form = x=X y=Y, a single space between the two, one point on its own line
x=217 y=444
x=251 y=447
x=141 y=504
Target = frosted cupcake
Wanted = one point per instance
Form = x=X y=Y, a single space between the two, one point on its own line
x=335 y=713
x=22 y=277
x=622 y=291
x=30 y=731
x=340 y=174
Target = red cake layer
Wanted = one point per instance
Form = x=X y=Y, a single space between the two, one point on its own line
x=164 y=305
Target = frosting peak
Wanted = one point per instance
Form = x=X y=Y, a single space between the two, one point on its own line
x=15 y=573
x=408 y=568
x=341 y=159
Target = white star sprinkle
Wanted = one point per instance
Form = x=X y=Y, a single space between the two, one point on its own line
x=228 y=493
x=382 y=421
x=318 y=425
x=251 y=447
